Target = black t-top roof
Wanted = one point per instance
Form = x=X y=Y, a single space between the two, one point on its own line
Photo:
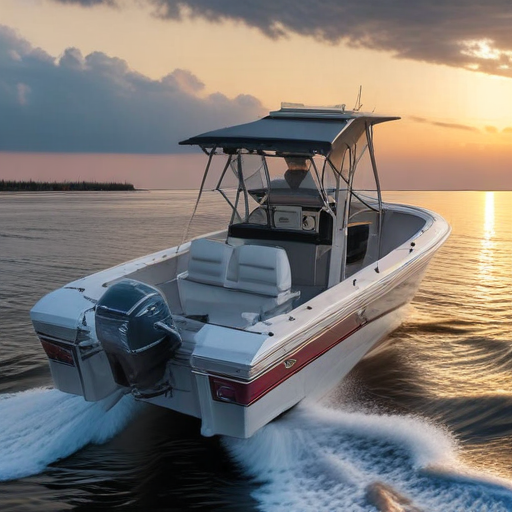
x=297 y=129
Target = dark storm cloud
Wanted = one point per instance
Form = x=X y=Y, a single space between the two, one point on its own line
x=471 y=34
x=453 y=126
x=97 y=104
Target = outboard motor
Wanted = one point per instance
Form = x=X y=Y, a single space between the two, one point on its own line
x=135 y=327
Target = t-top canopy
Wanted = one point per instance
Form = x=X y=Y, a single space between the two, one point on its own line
x=297 y=129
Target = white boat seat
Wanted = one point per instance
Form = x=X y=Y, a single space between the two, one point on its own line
x=257 y=283
x=263 y=269
x=209 y=261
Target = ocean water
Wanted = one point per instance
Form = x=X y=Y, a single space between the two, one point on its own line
x=425 y=424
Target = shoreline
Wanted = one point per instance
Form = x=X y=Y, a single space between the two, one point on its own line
x=64 y=186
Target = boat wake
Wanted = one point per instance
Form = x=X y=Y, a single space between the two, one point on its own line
x=320 y=459
x=41 y=426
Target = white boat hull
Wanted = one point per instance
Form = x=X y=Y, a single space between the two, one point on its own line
x=312 y=382
x=238 y=380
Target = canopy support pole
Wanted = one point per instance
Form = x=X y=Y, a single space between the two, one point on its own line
x=340 y=231
x=369 y=137
x=185 y=234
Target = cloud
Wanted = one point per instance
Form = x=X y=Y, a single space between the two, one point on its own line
x=468 y=34
x=90 y=3
x=454 y=126
x=508 y=129
x=96 y=103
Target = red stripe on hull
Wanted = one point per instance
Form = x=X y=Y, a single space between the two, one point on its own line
x=246 y=393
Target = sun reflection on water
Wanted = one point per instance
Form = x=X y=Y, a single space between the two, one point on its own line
x=489 y=215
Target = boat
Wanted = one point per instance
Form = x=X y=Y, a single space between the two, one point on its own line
x=309 y=274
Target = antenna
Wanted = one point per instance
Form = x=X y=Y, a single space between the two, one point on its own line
x=358 y=104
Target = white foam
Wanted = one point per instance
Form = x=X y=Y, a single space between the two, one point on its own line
x=320 y=459
x=41 y=426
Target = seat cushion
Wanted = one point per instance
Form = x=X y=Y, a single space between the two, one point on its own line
x=262 y=269
x=209 y=261
x=225 y=306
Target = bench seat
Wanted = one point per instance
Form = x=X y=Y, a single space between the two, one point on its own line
x=236 y=286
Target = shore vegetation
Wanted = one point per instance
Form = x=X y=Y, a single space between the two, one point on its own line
x=67 y=186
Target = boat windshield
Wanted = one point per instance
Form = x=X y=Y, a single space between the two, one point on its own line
x=254 y=183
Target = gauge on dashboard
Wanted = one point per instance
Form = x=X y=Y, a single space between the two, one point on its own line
x=309 y=222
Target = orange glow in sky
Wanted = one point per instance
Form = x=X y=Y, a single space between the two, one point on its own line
x=456 y=128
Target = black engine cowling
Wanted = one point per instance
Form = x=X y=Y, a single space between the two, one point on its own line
x=137 y=332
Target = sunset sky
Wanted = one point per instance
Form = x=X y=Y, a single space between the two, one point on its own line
x=105 y=89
